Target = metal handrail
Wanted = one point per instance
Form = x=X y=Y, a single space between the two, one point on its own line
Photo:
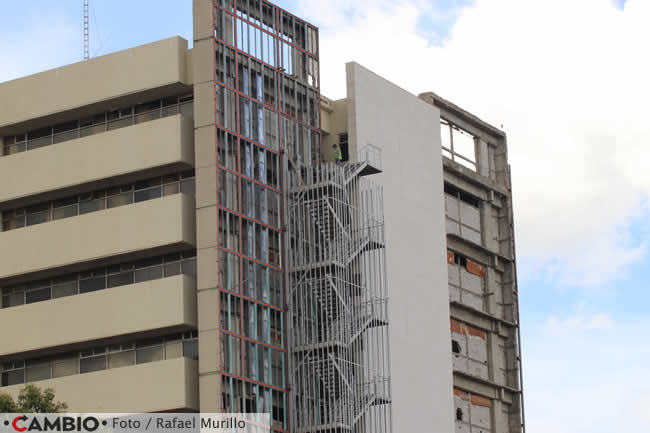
x=370 y=154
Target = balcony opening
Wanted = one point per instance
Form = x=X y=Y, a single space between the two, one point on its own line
x=458 y=144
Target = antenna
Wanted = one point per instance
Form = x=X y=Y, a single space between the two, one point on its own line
x=86 y=32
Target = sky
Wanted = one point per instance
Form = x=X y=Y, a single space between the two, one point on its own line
x=567 y=81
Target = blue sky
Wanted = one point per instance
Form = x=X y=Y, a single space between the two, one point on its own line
x=567 y=81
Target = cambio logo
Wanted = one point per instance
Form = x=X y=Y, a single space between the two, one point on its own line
x=24 y=423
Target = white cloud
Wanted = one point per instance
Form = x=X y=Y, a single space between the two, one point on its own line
x=568 y=81
x=587 y=372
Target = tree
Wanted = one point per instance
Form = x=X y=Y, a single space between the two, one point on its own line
x=32 y=400
x=7 y=404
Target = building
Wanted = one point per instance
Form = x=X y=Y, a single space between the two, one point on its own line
x=247 y=272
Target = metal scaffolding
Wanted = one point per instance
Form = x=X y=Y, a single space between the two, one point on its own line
x=338 y=324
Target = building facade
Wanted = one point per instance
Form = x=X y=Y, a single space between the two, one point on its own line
x=176 y=237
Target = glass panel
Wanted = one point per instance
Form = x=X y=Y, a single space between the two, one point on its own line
x=172 y=269
x=91 y=206
x=188 y=187
x=65 y=212
x=38 y=214
x=88 y=365
x=173 y=349
x=149 y=354
x=148 y=274
x=189 y=267
x=120 y=279
x=38 y=295
x=39 y=372
x=116 y=124
x=92 y=284
x=65 y=136
x=13 y=300
x=191 y=349
x=121 y=359
x=67 y=289
x=65 y=367
x=13 y=377
x=170 y=189
x=147 y=194
x=35 y=144
x=120 y=199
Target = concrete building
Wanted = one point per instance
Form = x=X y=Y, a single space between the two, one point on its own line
x=176 y=237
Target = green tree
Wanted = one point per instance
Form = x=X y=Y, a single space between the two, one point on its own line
x=32 y=399
x=7 y=404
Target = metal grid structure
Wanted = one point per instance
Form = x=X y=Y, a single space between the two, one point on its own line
x=267 y=109
x=338 y=305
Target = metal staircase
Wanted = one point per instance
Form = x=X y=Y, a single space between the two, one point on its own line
x=338 y=306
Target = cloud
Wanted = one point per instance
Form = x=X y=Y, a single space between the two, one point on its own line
x=587 y=371
x=567 y=81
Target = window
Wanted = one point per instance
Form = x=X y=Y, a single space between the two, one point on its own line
x=100 y=278
x=100 y=358
x=455 y=346
x=97 y=123
x=92 y=280
x=458 y=144
x=343 y=145
x=98 y=200
x=88 y=365
x=462 y=195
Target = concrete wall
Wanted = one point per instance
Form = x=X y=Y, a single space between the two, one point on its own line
x=155 y=223
x=135 y=148
x=121 y=310
x=151 y=387
x=406 y=129
x=99 y=79
x=203 y=68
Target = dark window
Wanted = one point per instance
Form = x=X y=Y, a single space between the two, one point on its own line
x=148 y=194
x=462 y=195
x=455 y=346
x=459 y=414
x=13 y=377
x=88 y=365
x=120 y=279
x=191 y=349
x=38 y=295
x=92 y=284
x=343 y=144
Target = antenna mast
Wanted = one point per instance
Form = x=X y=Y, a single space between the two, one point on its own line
x=86 y=32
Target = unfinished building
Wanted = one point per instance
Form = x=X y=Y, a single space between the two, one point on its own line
x=470 y=217
x=370 y=296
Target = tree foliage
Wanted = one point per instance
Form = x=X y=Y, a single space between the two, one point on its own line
x=32 y=399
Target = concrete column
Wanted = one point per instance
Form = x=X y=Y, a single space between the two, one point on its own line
x=482 y=157
x=489 y=228
x=203 y=68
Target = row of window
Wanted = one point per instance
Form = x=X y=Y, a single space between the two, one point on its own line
x=258 y=82
x=265 y=14
x=100 y=278
x=99 y=200
x=462 y=195
x=101 y=358
x=98 y=123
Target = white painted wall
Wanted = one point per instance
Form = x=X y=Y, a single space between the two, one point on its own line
x=408 y=132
